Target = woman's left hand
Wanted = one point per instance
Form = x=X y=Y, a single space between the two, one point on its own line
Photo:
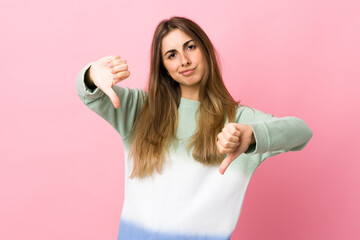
x=234 y=139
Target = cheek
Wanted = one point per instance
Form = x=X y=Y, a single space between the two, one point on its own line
x=201 y=61
x=199 y=58
x=170 y=67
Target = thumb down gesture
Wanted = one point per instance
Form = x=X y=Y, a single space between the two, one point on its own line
x=106 y=72
x=233 y=140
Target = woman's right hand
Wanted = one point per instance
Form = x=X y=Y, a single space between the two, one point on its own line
x=106 y=72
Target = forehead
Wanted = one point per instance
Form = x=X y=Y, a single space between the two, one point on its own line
x=174 y=40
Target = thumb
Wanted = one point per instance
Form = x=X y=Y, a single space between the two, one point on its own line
x=226 y=162
x=113 y=96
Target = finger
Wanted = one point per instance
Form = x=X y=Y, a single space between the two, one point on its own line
x=116 y=61
x=225 y=163
x=114 y=57
x=113 y=97
x=244 y=145
x=223 y=140
x=110 y=59
x=121 y=76
x=231 y=138
x=232 y=130
x=119 y=68
x=224 y=150
x=227 y=144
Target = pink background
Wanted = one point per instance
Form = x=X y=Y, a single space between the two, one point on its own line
x=61 y=168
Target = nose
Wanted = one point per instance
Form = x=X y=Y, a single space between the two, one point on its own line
x=185 y=60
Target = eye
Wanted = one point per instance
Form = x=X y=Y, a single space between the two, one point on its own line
x=171 y=55
x=191 y=47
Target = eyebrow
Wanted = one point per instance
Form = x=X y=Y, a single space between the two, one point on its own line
x=185 y=45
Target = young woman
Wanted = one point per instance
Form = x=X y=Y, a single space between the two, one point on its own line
x=190 y=148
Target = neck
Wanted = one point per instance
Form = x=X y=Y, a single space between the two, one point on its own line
x=191 y=93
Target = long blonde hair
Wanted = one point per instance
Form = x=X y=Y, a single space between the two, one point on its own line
x=156 y=123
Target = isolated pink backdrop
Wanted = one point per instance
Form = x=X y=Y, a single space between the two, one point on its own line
x=61 y=168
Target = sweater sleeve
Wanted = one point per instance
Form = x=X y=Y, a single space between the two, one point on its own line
x=273 y=135
x=123 y=118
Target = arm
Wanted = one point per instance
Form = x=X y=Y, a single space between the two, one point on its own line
x=121 y=118
x=261 y=135
x=273 y=134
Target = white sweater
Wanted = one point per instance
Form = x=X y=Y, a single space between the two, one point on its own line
x=189 y=200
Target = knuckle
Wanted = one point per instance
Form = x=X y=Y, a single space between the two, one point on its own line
x=123 y=74
x=223 y=142
x=120 y=75
x=227 y=145
x=228 y=137
x=115 y=63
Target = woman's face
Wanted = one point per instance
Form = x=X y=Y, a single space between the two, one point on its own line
x=184 y=61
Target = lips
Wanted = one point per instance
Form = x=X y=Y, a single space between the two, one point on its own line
x=187 y=71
